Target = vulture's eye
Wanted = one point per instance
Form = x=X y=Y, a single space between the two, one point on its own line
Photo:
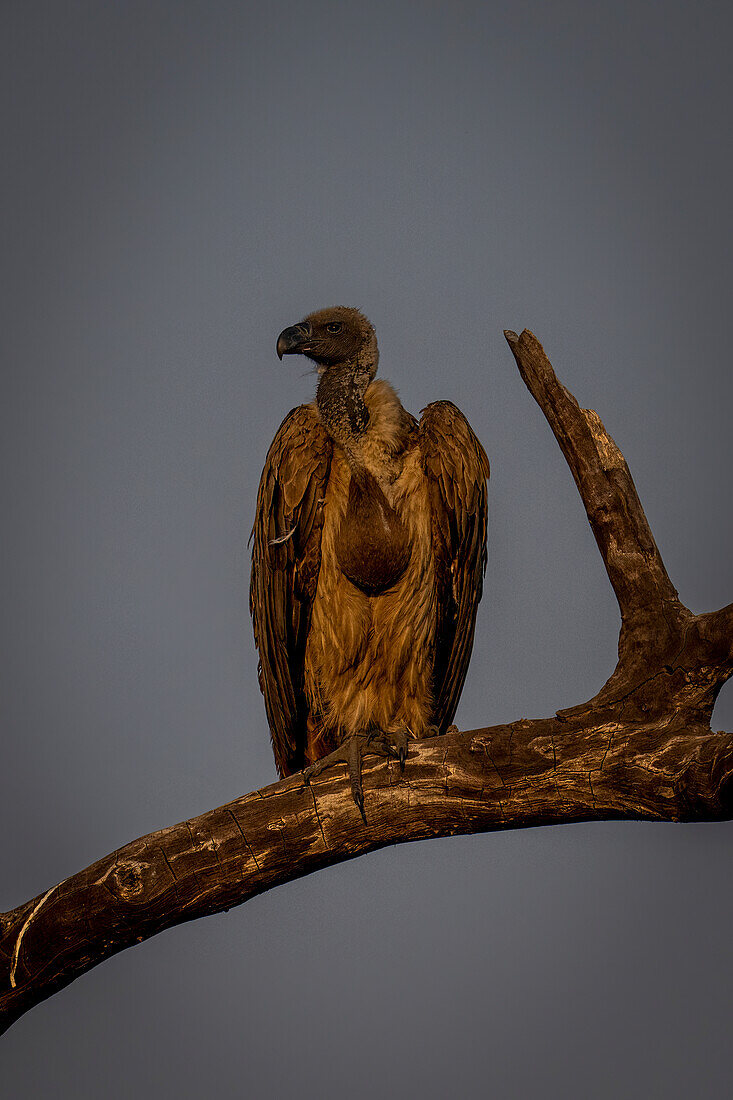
x=334 y=326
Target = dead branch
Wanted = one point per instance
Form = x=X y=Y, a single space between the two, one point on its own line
x=641 y=748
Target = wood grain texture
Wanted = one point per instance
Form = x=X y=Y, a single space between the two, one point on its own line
x=642 y=748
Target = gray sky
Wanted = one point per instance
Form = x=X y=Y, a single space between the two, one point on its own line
x=179 y=182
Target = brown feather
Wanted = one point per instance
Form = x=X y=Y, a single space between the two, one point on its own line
x=285 y=573
x=369 y=658
x=372 y=544
x=457 y=470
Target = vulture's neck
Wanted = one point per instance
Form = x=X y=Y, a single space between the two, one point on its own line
x=341 y=405
x=367 y=421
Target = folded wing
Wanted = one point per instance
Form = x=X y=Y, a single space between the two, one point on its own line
x=286 y=558
x=457 y=470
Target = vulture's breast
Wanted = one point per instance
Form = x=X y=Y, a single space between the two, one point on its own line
x=372 y=542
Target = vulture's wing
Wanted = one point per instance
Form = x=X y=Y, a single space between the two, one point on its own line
x=457 y=469
x=286 y=558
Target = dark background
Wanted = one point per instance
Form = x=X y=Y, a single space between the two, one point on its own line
x=180 y=181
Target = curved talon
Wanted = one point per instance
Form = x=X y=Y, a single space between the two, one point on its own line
x=353 y=750
x=396 y=746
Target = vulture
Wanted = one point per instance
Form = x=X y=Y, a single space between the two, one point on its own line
x=368 y=557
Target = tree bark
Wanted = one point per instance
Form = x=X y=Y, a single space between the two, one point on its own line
x=641 y=748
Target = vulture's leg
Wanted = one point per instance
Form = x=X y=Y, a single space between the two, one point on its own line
x=352 y=751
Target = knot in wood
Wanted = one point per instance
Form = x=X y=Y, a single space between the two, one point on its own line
x=543 y=746
x=129 y=879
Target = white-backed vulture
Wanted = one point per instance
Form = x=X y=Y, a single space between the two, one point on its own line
x=368 y=559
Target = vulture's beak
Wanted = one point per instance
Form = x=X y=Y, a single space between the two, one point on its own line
x=294 y=340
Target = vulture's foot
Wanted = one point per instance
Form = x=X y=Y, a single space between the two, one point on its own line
x=353 y=750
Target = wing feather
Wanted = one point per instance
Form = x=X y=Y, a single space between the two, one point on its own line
x=286 y=559
x=457 y=469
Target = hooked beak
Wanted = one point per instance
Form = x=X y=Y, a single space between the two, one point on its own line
x=294 y=340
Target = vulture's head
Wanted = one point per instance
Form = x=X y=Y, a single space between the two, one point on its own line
x=333 y=337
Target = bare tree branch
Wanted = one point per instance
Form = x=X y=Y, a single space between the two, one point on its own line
x=641 y=748
x=627 y=546
x=652 y=617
